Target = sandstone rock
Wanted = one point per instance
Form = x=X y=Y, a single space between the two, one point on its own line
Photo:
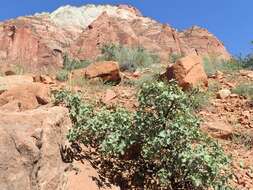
x=219 y=75
x=29 y=149
x=8 y=82
x=137 y=74
x=43 y=79
x=30 y=153
x=108 y=96
x=204 y=43
x=234 y=95
x=218 y=129
x=7 y=70
x=77 y=74
x=224 y=93
x=107 y=70
x=31 y=42
x=188 y=71
x=39 y=42
x=26 y=96
x=230 y=84
x=248 y=74
x=246 y=114
x=82 y=179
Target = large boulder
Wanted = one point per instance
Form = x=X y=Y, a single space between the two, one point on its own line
x=106 y=70
x=32 y=150
x=31 y=153
x=24 y=97
x=223 y=93
x=8 y=82
x=188 y=71
x=29 y=149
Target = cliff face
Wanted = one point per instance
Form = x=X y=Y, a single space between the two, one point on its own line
x=41 y=40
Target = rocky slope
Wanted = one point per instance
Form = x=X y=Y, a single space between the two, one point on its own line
x=40 y=41
x=33 y=140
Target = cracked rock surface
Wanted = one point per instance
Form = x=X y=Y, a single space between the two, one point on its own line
x=29 y=149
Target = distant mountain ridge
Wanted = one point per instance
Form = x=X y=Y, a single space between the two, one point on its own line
x=41 y=41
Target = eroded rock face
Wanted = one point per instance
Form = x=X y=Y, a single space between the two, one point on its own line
x=29 y=149
x=31 y=42
x=40 y=41
x=203 y=43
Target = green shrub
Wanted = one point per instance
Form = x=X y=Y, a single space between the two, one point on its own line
x=198 y=99
x=71 y=64
x=247 y=61
x=212 y=65
x=62 y=75
x=160 y=146
x=128 y=58
x=244 y=90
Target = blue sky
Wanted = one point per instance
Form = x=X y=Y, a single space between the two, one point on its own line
x=230 y=20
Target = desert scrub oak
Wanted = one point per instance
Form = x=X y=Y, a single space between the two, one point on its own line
x=160 y=146
x=128 y=58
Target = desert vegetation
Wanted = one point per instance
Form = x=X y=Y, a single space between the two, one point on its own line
x=129 y=59
x=159 y=146
x=212 y=64
x=121 y=116
x=70 y=64
x=244 y=89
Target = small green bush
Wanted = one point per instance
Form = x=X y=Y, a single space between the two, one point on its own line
x=244 y=89
x=247 y=61
x=128 y=58
x=160 y=146
x=198 y=99
x=62 y=75
x=71 y=64
x=212 y=65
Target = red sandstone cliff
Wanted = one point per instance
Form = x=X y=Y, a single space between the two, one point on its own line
x=40 y=41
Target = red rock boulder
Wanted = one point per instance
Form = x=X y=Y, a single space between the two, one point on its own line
x=189 y=72
x=106 y=70
x=24 y=97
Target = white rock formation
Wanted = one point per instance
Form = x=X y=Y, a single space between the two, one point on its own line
x=70 y=16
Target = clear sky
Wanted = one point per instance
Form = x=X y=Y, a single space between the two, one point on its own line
x=230 y=20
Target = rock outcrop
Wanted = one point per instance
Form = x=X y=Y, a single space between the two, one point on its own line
x=203 y=42
x=41 y=41
x=29 y=149
x=33 y=139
